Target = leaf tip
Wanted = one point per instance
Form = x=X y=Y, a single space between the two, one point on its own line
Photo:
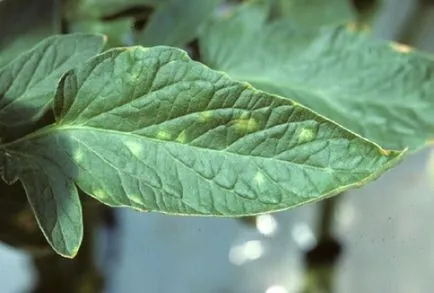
x=68 y=253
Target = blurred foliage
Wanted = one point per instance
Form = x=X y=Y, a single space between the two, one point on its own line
x=119 y=32
x=97 y=9
x=22 y=28
x=314 y=13
x=366 y=11
x=19 y=229
x=176 y=22
x=79 y=275
x=18 y=226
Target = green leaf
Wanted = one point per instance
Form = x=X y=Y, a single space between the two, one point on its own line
x=153 y=130
x=176 y=22
x=28 y=83
x=52 y=195
x=315 y=13
x=18 y=228
x=26 y=23
x=118 y=32
x=380 y=90
x=93 y=9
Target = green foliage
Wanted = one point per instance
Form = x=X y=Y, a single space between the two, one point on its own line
x=314 y=13
x=21 y=28
x=150 y=129
x=28 y=83
x=94 y=9
x=176 y=22
x=118 y=32
x=377 y=89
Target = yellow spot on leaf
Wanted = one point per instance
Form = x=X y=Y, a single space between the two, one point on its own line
x=78 y=156
x=163 y=135
x=401 y=48
x=138 y=201
x=358 y=27
x=181 y=137
x=259 y=178
x=100 y=194
x=204 y=116
x=136 y=198
x=74 y=251
x=245 y=124
x=306 y=135
x=134 y=147
x=384 y=152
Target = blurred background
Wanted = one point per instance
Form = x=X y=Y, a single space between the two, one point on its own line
x=375 y=239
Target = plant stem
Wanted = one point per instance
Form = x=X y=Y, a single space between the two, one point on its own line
x=321 y=261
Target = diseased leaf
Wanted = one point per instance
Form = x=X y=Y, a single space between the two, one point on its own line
x=380 y=90
x=153 y=130
x=24 y=23
x=28 y=83
x=176 y=22
x=52 y=195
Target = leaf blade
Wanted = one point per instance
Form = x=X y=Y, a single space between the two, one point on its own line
x=173 y=125
x=26 y=27
x=54 y=200
x=176 y=22
x=28 y=83
x=343 y=75
x=316 y=13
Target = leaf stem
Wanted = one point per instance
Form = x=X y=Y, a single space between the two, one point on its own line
x=322 y=260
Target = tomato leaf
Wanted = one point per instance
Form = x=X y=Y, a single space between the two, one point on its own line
x=371 y=87
x=153 y=130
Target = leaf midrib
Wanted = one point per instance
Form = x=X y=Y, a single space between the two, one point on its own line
x=66 y=128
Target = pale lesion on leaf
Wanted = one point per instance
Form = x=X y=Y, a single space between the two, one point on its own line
x=245 y=123
x=401 y=48
x=384 y=152
x=78 y=156
x=163 y=135
x=205 y=116
x=100 y=194
x=306 y=135
x=182 y=138
x=259 y=178
x=135 y=148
